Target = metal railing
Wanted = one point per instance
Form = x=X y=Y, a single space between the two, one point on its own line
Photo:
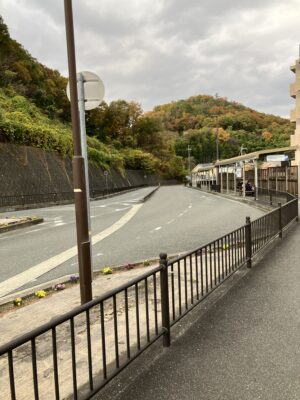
x=57 y=197
x=273 y=197
x=76 y=354
x=37 y=198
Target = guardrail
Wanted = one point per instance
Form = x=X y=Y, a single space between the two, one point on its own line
x=103 y=336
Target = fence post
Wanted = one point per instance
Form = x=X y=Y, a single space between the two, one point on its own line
x=271 y=201
x=164 y=290
x=280 y=220
x=248 y=242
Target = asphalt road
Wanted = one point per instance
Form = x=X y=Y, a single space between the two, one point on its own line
x=175 y=219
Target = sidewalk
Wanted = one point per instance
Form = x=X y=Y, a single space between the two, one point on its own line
x=244 y=346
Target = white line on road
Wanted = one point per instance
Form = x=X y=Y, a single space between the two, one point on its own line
x=34 y=272
x=158 y=228
x=170 y=222
x=34 y=230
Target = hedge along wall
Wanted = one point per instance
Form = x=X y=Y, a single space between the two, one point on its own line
x=28 y=170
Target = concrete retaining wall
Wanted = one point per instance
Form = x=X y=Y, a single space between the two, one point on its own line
x=28 y=170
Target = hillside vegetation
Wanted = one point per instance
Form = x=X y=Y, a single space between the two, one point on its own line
x=197 y=121
x=35 y=111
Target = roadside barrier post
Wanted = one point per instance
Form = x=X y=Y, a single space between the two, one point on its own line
x=280 y=220
x=164 y=288
x=248 y=242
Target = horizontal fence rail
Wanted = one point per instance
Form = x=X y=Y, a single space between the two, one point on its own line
x=273 y=197
x=76 y=354
x=58 y=197
x=27 y=199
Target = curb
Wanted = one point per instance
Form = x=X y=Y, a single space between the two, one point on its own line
x=47 y=286
x=150 y=194
x=22 y=224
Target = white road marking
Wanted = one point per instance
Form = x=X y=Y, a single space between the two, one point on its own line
x=158 y=228
x=170 y=222
x=190 y=206
x=34 y=230
x=40 y=269
x=180 y=215
x=59 y=224
x=99 y=254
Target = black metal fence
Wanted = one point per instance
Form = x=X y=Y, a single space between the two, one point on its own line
x=273 y=197
x=75 y=355
x=38 y=198
x=56 y=198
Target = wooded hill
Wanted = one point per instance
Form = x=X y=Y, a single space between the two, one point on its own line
x=35 y=111
x=197 y=120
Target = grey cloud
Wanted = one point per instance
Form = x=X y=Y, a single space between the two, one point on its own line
x=153 y=51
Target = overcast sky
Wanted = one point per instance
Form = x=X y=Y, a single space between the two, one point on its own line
x=156 y=51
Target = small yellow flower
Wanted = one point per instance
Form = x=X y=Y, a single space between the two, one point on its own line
x=40 y=294
x=106 y=271
x=18 y=301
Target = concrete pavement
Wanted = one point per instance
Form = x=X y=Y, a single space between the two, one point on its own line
x=241 y=344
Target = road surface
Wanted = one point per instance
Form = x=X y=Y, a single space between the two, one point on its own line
x=175 y=219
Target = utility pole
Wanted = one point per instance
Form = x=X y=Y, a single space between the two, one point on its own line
x=217 y=143
x=79 y=179
x=189 y=161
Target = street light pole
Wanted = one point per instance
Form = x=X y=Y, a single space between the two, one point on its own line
x=81 y=208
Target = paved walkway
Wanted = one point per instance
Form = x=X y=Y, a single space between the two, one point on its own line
x=246 y=346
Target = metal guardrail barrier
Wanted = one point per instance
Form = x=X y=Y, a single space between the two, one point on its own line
x=103 y=336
